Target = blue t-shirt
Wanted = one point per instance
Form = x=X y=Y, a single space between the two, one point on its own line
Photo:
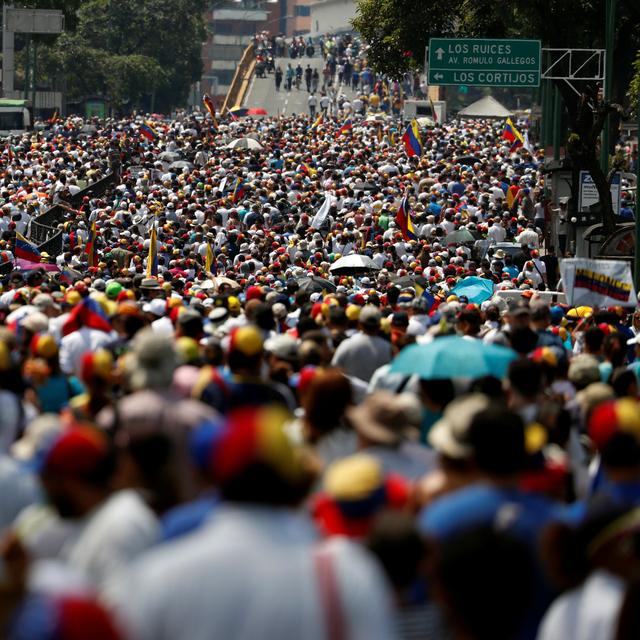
x=522 y=513
x=55 y=393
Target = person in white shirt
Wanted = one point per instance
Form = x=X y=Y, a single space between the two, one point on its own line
x=112 y=528
x=529 y=237
x=496 y=231
x=255 y=569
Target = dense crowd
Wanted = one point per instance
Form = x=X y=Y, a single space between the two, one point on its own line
x=256 y=395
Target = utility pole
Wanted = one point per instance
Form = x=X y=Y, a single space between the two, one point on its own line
x=610 y=34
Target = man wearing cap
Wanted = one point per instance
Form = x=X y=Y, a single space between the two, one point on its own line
x=361 y=354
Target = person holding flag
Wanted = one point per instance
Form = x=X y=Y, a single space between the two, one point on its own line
x=147 y=130
x=347 y=125
x=411 y=139
x=207 y=100
x=404 y=222
x=512 y=135
x=317 y=122
x=238 y=191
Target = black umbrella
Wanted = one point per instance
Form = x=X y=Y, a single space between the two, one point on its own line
x=314 y=284
x=467 y=160
x=409 y=281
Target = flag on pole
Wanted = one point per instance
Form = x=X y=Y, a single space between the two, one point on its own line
x=317 y=122
x=433 y=111
x=238 y=190
x=347 y=125
x=87 y=313
x=209 y=258
x=411 y=139
x=512 y=135
x=90 y=247
x=152 y=258
x=210 y=107
x=323 y=212
x=403 y=220
x=527 y=143
x=25 y=250
x=147 y=130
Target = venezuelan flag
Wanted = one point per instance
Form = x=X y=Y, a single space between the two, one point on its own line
x=512 y=135
x=25 y=250
x=317 y=122
x=305 y=168
x=147 y=130
x=238 y=191
x=152 y=258
x=210 y=107
x=411 y=139
x=87 y=313
x=347 y=125
x=403 y=220
x=90 y=247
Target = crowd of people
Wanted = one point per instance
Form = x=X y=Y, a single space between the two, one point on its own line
x=243 y=402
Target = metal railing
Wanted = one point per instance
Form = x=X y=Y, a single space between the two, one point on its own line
x=241 y=78
x=43 y=230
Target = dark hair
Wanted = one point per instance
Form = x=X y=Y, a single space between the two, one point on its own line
x=466 y=563
x=523 y=340
x=593 y=339
x=621 y=381
x=497 y=438
x=328 y=396
x=525 y=377
x=621 y=451
x=395 y=541
x=439 y=391
x=260 y=483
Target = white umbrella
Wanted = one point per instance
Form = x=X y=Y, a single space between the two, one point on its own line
x=245 y=143
x=376 y=117
x=354 y=263
x=425 y=121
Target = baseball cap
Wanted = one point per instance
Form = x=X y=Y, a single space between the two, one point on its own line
x=370 y=316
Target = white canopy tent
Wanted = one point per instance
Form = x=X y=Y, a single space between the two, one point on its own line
x=487 y=107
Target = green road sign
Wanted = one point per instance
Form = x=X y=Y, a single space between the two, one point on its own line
x=484 y=63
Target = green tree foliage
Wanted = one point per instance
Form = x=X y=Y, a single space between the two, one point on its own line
x=398 y=30
x=634 y=87
x=142 y=53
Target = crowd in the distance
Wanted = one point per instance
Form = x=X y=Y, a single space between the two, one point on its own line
x=253 y=397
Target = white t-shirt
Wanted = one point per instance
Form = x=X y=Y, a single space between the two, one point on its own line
x=589 y=612
x=249 y=573
x=112 y=536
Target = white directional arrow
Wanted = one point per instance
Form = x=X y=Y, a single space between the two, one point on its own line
x=438 y=76
x=439 y=53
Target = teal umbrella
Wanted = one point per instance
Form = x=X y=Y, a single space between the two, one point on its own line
x=476 y=289
x=453 y=357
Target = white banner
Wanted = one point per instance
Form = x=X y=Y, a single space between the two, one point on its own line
x=597 y=283
x=323 y=212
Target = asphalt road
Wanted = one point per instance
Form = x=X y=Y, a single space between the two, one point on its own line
x=262 y=91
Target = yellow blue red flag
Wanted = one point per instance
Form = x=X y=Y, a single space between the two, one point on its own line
x=411 y=139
